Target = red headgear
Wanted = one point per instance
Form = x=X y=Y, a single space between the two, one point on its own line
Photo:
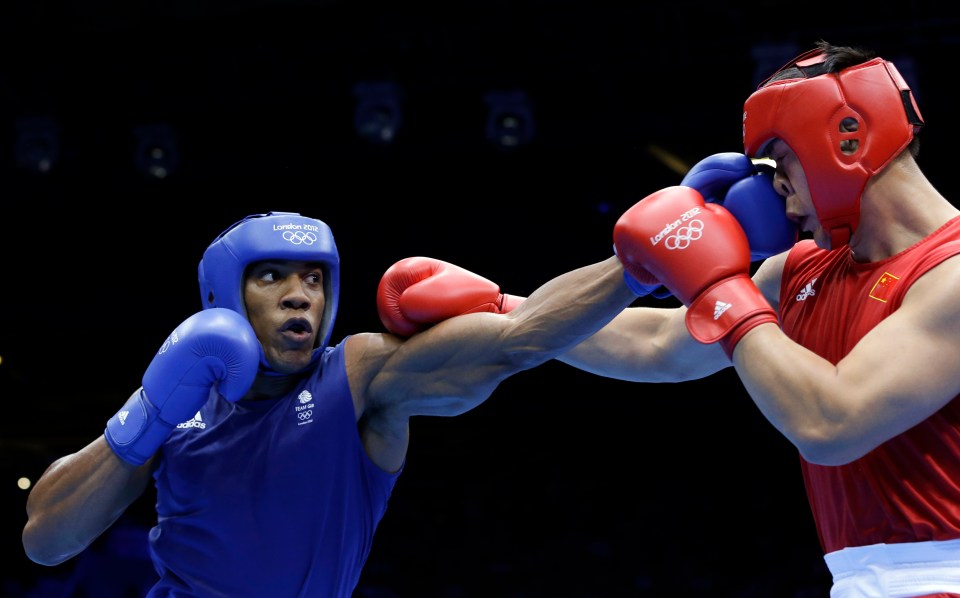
x=806 y=113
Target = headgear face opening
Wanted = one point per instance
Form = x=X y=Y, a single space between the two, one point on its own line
x=809 y=114
x=271 y=236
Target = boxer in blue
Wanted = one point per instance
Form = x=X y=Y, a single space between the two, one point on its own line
x=273 y=453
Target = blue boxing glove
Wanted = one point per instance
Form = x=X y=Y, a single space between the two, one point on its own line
x=714 y=175
x=745 y=189
x=648 y=286
x=213 y=348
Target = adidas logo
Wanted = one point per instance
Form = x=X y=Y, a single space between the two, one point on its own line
x=807 y=291
x=122 y=416
x=196 y=422
x=719 y=308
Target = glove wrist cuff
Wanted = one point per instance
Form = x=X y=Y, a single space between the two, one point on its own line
x=135 y=432
x=728 y=310
x=509 y=303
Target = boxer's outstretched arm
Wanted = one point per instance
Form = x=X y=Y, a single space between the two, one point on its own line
x=454 y=365
x=640 y=344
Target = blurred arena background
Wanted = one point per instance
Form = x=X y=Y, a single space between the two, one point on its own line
x=506 y=137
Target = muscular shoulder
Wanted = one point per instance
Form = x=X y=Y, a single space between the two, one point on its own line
x=364 y=356
x=385 y=437
x=935 y=288
x=768 y=276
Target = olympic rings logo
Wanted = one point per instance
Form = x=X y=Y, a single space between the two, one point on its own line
x=299 y=237
x=173 y=339
x=684 y=235
x=305 y=415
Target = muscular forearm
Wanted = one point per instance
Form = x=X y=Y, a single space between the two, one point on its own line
x=455 y=365
x=570 y=308
x=76 y=499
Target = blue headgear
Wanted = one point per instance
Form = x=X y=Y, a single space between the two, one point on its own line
x=271 y=236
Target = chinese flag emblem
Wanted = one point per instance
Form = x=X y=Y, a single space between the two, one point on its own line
x=881 y=290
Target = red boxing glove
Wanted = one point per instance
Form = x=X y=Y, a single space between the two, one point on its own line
x=419 y=291
x=700 y=252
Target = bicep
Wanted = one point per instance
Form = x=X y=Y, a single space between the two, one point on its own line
x=906 y=367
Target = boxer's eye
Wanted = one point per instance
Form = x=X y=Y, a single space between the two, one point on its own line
x=267 y=275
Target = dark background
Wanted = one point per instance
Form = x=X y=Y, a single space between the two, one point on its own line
x=562 y=483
